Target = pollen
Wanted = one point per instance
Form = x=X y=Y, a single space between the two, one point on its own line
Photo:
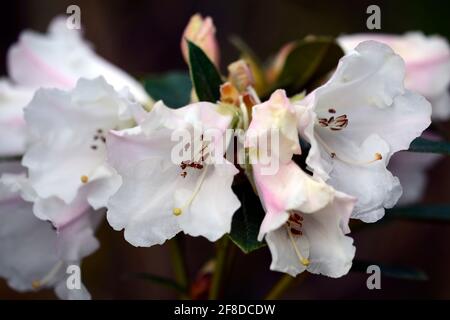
x=177 y=211
x=84 y=179
x=36 y=284
x=304 y=262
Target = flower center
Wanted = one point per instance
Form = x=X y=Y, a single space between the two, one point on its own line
x=99 y=140
x=377 y=156
x=294 y=229
x=197 y=163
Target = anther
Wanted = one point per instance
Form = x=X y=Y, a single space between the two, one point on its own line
x=177 y=211
x=84 y=179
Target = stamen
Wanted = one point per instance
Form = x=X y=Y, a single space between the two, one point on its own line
x=304 y=261
x=334 y=155
x=179 y=211
x=84 y=179
x=36 y=284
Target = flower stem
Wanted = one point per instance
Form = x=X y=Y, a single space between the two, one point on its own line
x=282 y=285
x=219 y=267
x=178 y=264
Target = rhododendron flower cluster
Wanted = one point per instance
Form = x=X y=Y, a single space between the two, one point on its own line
x=95 y=147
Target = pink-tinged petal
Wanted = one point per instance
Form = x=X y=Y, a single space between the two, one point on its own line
x=427 y=60
x=289 y=188
x=320 y=239
x=59 y=58
x=202 y=32
x=276 y=114
x=33 y=254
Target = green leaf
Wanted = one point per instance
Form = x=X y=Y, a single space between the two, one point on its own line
x=205 y=77
x=247 y=220
x=174 y=88
x=162 y=281
x=421 y=212
x=396 y=272
x=430 y=146
x=308 y=63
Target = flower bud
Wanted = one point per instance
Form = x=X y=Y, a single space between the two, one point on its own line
x=201 y=31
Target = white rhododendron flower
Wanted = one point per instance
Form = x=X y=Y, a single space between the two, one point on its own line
x=427 y=60
x=364 y=116
x=306 y=220
x=161 y=196
x=66 y=161
x=33 y=254
x=56 y=59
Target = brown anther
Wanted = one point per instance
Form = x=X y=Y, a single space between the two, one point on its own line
x=84 y=179
x=378 y=156
x=296 y=232
x=331 y=110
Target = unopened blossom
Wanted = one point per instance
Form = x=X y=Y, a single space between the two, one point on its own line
x=306 y=220
x=34 y=254
x=202 y=32
x=66 y=160
x=161 y=195
x=427 y=60
x=56 y=59
x=364 y=115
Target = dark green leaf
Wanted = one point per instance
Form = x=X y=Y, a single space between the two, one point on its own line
x=205 y=77
x=430 y=146
x=174 y=88
x=247 y=220
x=308 y=63
x=396 y=272
x=162 y=281
x=421 y=212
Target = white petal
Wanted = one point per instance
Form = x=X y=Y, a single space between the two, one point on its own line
x=371 y=183
x=211 y=212
x=144 y=204
x=275 y=114
x=68 y=152
x=323 y=242
x=30 y=249
x=13 y=135
x=370 y=81
x=59 y=58
x=288 y=189
x=64 y=293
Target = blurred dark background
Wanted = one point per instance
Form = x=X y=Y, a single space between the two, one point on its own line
x=143 y=37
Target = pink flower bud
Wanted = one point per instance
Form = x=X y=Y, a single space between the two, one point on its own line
x=201 y=31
